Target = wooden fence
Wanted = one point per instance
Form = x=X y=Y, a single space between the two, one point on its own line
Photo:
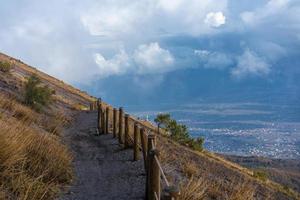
x=136 y=134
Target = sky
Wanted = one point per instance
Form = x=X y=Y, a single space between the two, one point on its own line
x=161 y=51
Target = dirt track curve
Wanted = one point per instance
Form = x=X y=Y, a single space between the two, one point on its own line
x=103 y=169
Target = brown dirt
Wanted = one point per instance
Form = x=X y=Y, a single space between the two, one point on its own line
x=104 y=170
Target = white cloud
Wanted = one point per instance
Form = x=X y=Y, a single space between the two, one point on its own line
x=146 y=59
x=117 y=65
x=111 y=19
x=144 y=18
x=259 y=15
x=170 y=5
x=213 y=59
x=153 y=59
x=249 y=63
x=215 y=19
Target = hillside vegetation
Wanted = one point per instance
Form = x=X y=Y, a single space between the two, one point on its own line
x=34 y=163
x=34 y=109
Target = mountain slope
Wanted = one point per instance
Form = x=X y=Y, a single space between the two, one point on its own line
x=199 y=173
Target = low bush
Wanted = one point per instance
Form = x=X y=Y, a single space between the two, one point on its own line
x=197 y=144
x=179 y=132
x=5 y=67
x=36 y=95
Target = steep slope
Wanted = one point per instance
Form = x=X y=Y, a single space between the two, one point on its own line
x=65 y=95
x=202 y=175
x=34 y=162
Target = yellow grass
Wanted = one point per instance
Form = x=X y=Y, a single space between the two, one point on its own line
x=33 y=163
x=199 y=188
x=194 y=189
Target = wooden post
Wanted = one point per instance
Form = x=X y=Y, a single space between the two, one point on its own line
x=120 y=125
x=153 y=175
x=151 y=140
x=171 y=193
x=115 y=123
x=136 y=150
x=91 y=106
x=99 y=115
x=107 y=120
x=148 y=165
x=126 y=135
x=144 y=146
x=103 y=121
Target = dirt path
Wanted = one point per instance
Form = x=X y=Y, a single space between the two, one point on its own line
x=104 y=170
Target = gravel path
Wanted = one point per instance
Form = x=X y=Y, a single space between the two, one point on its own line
x=104 y=170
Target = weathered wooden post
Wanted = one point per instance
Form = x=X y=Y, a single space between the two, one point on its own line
x=171 y=193
x=151 y=142
x=103 y=121
x=93 y=105
x=153 y=175
x=126 y=135
x=144 y=146
x=136 y=150
x=99 y=114
x=115 y=123
x=150 y=146
x=120 y=125
x=107 y=120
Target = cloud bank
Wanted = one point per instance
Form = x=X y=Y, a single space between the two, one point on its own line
x=146 y=59
x=102 y=40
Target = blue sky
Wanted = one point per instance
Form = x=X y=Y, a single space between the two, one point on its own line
x=141 y=51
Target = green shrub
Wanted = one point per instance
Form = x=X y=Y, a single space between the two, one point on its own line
x=5 y=67
x=179 y=132
x=35 y=94
x=161 y=120
x=197 y=144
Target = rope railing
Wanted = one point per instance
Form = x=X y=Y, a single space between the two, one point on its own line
x=139 y=135
x=162 y=172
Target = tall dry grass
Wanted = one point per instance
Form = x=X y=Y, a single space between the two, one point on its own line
x=33 y=163
x=194 y=189
x=200 y=189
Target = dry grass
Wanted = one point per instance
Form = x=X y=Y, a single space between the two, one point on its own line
x=33 y=163
x=199 y=188
x=56 y=123
x=223 y=181
x=189 y=168
x=194 y=189
x=11 y=107
x=242 y=191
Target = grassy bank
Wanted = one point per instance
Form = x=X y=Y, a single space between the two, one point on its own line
x=34 y=164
